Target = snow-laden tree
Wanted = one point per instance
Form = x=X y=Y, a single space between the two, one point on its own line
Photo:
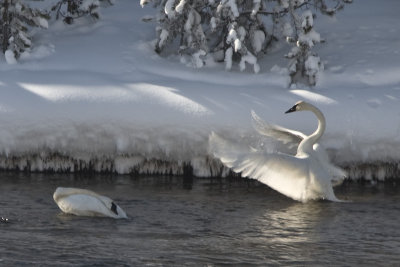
x=16 y=19
x=303 y=62
x=241 y=30
x=73 y=9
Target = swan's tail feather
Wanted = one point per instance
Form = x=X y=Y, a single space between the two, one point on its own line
x=337 y=174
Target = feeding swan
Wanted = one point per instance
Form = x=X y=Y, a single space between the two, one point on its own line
x=306 y=175
x=82 y=202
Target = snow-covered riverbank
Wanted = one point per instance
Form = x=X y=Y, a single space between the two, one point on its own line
x=96 y=96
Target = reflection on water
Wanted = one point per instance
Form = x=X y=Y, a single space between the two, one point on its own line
x=196 y=222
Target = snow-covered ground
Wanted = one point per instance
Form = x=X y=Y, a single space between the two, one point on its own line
x=96 y=96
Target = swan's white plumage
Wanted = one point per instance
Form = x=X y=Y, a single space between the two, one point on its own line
x=290 y=138
x=304 y=176
x=82 y=202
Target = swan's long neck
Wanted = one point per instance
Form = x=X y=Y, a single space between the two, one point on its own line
x=307 y=144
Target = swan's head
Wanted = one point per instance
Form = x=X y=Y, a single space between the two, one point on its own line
x=299 y=106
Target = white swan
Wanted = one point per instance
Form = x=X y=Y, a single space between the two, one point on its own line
x=82 y=202
x=307 y=175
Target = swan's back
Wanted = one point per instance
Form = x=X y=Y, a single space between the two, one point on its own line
x=82 y=202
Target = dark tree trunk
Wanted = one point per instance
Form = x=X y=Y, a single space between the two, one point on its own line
x=5 y=26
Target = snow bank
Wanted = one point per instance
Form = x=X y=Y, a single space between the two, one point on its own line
x=75 y=105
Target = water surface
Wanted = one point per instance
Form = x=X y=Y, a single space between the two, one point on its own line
x=198 y=222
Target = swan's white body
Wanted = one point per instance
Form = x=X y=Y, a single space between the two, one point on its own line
x=307 y=175
x=82 y=202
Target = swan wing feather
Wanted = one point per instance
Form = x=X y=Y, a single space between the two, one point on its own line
x=284 y=173
x=290 y=138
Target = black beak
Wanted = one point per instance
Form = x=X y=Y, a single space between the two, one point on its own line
x=114 y=208
x=293 y=109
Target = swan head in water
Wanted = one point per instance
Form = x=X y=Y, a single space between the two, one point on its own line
x=299 y=106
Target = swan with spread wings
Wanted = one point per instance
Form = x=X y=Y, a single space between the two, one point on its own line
x=304 y=175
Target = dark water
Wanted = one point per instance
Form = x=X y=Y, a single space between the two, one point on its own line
x=201 y=222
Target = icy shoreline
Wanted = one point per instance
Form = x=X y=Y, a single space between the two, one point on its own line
x=162 y=151
x=201 y=167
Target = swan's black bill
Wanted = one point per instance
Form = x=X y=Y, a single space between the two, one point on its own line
x=293 y=109
x=114 y=208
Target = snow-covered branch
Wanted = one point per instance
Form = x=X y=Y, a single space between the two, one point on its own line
x=236 y=30
x=16 y=19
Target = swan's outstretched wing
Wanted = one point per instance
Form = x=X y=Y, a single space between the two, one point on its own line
x=284 y=173
x=289 y=137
